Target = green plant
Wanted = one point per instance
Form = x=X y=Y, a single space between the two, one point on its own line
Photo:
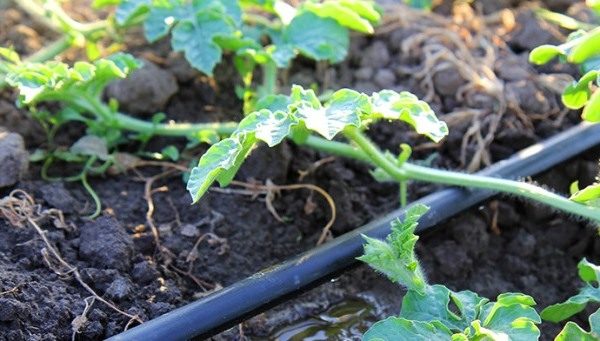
x=269 y=33
x=434 y=312
x=349 y=113
x=589 y=293
x=78 y=92
x=582 y=48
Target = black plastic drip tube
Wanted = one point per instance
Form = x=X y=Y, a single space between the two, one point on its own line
x=261 y=291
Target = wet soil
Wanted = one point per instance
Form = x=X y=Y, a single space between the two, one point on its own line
x=503 y=105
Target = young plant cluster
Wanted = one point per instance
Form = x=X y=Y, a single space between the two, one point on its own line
x=269 y=34
x=434 y=312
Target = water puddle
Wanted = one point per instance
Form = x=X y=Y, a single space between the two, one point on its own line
x=347 y=320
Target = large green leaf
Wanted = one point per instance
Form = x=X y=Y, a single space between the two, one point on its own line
x=317 y=38
x=589 y=293
x=270 y=127
x=218 y=158
x=343 y=109
x=408 y=108
x=400 y=329
x=512 y=315
x=434 y=305
x=196 y=38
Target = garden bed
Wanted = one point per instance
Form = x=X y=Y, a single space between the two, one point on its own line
x=230 y=235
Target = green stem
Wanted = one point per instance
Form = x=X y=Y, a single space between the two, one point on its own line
x=269 y=85
x=93 y=194
x=414 y=172
x=54 y=49
x=403 y=193
x=172 y=129
x=66 y=24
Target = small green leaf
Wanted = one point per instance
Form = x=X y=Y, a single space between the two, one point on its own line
x=577 y=93
x=218 y=158
x=588 y=195
x=130 y=11
x=345 y=16
x=170 y=152
x=9 y=55
x=589 y=46
x=591 y=112
x=395 y=257
x=365 y=8
x=400 y=329
x=544 y=53
x=572 y=331
x=407 y=107
x=588 y=293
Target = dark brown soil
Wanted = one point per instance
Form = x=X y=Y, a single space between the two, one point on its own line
x=117 y=255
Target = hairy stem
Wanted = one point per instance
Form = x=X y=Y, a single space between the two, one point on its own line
x=414 y=172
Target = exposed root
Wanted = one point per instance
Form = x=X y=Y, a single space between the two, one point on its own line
x=471 y=44
x=314 y=166
x=270 y=191
x=164 y=254
x=11 y=290
x=20 y=210
x=80 y=321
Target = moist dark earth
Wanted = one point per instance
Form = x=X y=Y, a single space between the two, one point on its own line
x=494 y=102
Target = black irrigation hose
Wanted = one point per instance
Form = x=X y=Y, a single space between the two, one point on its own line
x=261 y=291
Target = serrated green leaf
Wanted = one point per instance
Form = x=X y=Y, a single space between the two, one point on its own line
x=343 y=109
x=588 y=293
x=317 y=38
x=395 y=257
x=196 y=38
x=407 y=107
x=400 y=329
x=218 y=158
x=267 y=126
x=55 y=80
x=544 y=53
